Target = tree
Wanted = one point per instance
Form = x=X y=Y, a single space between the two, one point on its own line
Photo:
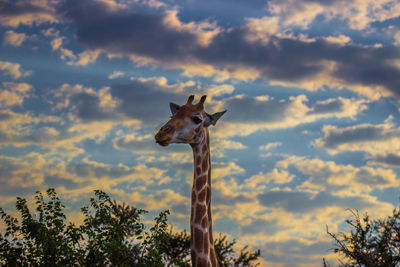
x=112 y=234
x=370 y=242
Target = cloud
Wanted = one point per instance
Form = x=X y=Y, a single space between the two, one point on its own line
x=356 y=13
x=26 y=136
x=14 y=93
x=342 y=107
x=14 y=38
x=262 y=29
x=13 y=69
x=270 y=145
x=116 y=74
x=302 y=252
x=220 y=145
x=264 y=112
x=100 y=31
x=84 y=58
x=86 y=104
x=37 y=171
x=271 y=217
x=136 y=143
x=202 y=48
x=259 y=182
x=118 y=173
x=263 y=109
x=390 y=160
x=142 y=92
x=56 y=43
x=23 y=172
x=370 y=138
x=74 y=123
x=302 y=202
x=343 y=180
x=14 y=13
x=225 y=169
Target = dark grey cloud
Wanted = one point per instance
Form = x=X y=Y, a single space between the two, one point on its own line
x=230 y=200
x=42 y=135
x=277 y=110
x=122 y=31
x=272 y=110
x=295 y=252
x=369 y=66
x=147 y=145
x=8 y=166
x=324 y=107
x=145 y=101
x=5 y=115
x=262 y=226
x=365 y=176
x=361 y=133
x=18 y=8
x=87 y=108
x=145 y=34
x=56 y=181
x=137 y=146
x=181 y=208
x=390 y=159
x=299 y=202
x=84 y=169
x=282 y=59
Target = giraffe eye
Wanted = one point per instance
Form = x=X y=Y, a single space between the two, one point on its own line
x=197 y=120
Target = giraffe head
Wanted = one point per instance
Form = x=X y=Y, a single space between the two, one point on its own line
x=186 y=123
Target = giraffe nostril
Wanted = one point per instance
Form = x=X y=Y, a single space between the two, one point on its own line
x=167 y=128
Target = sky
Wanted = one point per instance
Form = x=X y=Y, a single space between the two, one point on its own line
x=312 y=129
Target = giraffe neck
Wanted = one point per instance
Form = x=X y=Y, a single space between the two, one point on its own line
x=202 y=244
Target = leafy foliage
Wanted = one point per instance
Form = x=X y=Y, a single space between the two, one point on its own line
x=370 y=242
x=111 y=234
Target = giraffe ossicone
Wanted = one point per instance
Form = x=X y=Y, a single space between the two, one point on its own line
x=189 y=124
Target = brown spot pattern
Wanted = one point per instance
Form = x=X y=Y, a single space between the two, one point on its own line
x=213 y=257
x=198 y=240
x=201 y=262
x=210 y=230
x=204 y=223
x=200 y=181
x=204 y=149
x=206 y=245
x=193 y=197
x=202 y=195
x=198 y=161
x=205 y=163
x=200 y=212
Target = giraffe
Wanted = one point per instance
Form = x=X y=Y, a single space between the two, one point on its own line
x=189 y=124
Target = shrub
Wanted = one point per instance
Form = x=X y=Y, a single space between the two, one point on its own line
x=111 y=234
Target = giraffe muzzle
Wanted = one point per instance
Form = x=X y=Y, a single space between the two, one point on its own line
x=162 y=138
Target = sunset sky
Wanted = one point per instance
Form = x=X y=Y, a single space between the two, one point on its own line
x=312 y=90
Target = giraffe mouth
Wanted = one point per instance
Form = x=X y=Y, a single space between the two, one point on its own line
x=163 y=142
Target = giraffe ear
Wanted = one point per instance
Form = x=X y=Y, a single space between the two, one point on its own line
x=174 y=108
x=212 y=119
